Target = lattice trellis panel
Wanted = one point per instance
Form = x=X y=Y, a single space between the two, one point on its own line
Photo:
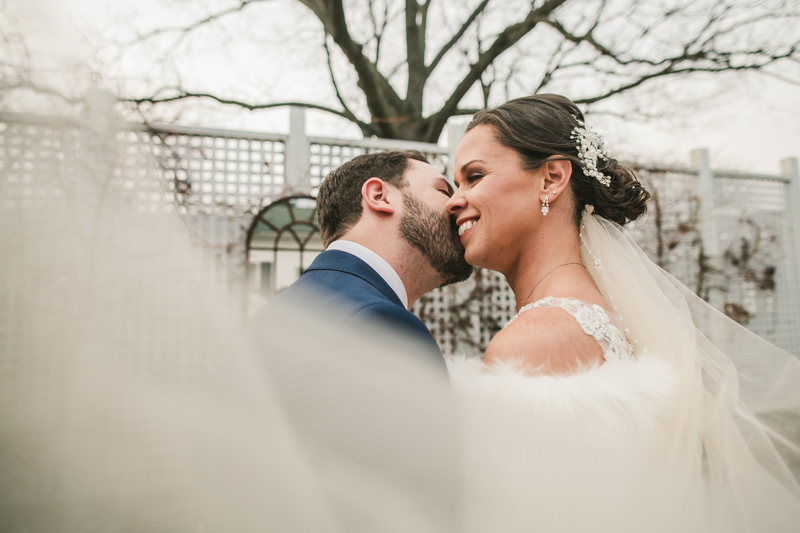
x=37 y=166
x=758 y=257
x=212 y=175
x=94 y=267
x=36 y=158
x=218 y=182
x=464 y=317
x=753 y=280
x=669 y=232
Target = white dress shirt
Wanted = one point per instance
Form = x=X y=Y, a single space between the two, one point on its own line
x=377 y=263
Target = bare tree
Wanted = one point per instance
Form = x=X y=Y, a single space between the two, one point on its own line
x=401 y=68
x=23 y=83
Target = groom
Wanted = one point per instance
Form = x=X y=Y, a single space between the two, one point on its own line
x=388 y=239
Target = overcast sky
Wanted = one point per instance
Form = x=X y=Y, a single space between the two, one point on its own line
x=750 y=123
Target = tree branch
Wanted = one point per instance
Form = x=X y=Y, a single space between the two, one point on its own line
x=186 y=29
x=457 y=36
x=671 y=70
x=27 y=85
x=466 y=111
x=507 y=38
x=553 y=65
x=184 y=95
x=781 y=78
x=382 y=100
x=377 y=33
x=416 y=20
x=349 y=114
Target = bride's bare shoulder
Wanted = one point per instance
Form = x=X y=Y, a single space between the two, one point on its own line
x=545 y=340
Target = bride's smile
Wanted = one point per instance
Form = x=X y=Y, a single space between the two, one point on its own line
x=465 y=225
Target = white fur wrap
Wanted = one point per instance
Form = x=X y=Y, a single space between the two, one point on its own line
x=581 y=452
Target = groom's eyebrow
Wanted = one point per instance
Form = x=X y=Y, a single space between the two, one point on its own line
x=446 y=184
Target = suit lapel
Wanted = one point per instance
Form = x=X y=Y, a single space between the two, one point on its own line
x=344 y=262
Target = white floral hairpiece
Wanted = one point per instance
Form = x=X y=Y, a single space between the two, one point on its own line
x=590 y=148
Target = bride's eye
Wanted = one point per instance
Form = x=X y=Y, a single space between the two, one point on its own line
x=472 y=178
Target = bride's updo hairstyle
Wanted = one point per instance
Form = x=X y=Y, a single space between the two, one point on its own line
x=540 y=126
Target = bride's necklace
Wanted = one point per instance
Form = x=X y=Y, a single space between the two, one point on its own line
x=541 y=280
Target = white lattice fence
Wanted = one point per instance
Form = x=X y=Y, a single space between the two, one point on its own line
x=749 y=271
x=218 y=180
x=759 y=256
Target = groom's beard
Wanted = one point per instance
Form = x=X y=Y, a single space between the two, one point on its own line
x=436 y=236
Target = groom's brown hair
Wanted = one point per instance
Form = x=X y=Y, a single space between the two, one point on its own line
x=339 y=198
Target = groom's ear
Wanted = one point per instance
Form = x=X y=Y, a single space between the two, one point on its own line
x=377 y=196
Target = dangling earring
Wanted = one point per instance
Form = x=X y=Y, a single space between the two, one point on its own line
x=546 y=204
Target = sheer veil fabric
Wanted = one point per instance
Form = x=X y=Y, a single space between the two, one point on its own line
x=734 y=420
x=133 y=399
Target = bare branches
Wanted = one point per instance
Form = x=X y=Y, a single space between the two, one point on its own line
x=784 y=79
x=347 y=113
x=721 y=63
x=416 y=21
x=181 y=94
x=507 y=38
x=21 y=75
x=382 y=100
x=621 y=44
x=378 y=29
x=702 y=51
x=202 y=22
x=457 y=36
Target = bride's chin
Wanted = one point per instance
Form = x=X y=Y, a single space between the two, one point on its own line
x=475 y=258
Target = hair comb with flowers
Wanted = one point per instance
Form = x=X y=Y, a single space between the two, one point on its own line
x=590 y=148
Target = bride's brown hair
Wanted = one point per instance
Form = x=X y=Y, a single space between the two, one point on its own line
x=540 y=126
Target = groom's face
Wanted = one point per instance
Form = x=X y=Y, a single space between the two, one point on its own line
x=427 y=225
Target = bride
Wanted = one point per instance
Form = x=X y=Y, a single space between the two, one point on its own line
x=601 y=406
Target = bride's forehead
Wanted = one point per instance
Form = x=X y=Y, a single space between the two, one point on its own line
x=478 y=136
x=481 y=143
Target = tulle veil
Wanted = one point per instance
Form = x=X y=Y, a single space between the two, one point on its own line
x=134 y=398
x=734 y=424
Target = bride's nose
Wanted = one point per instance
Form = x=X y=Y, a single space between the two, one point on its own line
x=455 y=204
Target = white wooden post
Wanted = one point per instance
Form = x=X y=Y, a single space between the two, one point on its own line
x=297 y=179
x=99 y=111
x=791 y=169
x=455 y=133
x=705 y=191
x=701 y=160
x=99 y=130
x=97 y=153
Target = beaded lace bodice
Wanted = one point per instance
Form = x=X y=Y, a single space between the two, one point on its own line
x=593 y=320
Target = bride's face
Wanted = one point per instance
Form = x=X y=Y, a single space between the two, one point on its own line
x=496 y=204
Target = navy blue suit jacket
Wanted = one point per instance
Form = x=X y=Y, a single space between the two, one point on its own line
x=357 y=295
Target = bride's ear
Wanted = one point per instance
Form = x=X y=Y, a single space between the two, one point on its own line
x=557 y=173
x=376 y=194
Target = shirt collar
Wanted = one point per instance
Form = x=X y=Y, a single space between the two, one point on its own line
x=377 y=263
